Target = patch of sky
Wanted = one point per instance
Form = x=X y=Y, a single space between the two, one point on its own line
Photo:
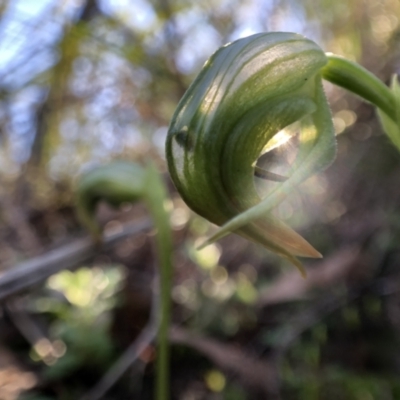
x=19 y=151
x=95 y=110
x=245 y=30
x=107 y=67
x=224 y=6
x=138 y=14
x=81 y=84
x=141 y=77
x=105 y=130
x=102 y=103
x=83 y=66
x=126 y=114
x=289 y=22
x=250 y=19
x=155 y=41
x=291 y=18
x=186 y=20
x=32 y=94
x=114 y=38
x=20 y=58
x=109 y=96
x=31 y=8
x=70 y=129
x=21 y=124
x=133 y=137
x=200 y=43
x=28 y=69
x=19 y=21
x=100 y=152
x=158 y=139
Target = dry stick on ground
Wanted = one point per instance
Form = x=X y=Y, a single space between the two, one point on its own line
x=260 y=374
x=34 y=271
x=292 y=286
x=131 y=354
x=253 y=372
x=25 y=324
x=30 y=329
x=307 y=319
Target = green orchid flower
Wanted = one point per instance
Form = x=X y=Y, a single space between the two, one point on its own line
x=237 y=108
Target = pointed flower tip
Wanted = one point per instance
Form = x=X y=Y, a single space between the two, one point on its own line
x=218 y=234
x=300 y=247
x=315 y=254
x=206 y=243
x=299 y=266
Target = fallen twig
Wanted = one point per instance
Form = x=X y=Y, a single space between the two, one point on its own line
x=25 y=324
x=259 y=374
x=131 y=354
x=292 y=286
x=35 y=270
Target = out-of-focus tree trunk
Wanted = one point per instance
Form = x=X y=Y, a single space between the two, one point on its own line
x=49 y=115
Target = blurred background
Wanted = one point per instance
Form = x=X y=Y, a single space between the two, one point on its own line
x=84 y=82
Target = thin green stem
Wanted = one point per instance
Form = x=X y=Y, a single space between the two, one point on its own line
x=357 y=79
x=155 y=197
x=119 y=182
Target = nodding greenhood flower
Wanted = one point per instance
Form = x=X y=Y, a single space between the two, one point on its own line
x=246 y=93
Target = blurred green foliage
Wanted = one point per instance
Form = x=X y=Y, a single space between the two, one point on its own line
x=81 y=321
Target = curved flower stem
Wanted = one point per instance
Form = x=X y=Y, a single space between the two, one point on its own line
x=120 y=182
x=358 y=80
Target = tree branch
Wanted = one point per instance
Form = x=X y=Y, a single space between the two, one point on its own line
x=34 y=271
